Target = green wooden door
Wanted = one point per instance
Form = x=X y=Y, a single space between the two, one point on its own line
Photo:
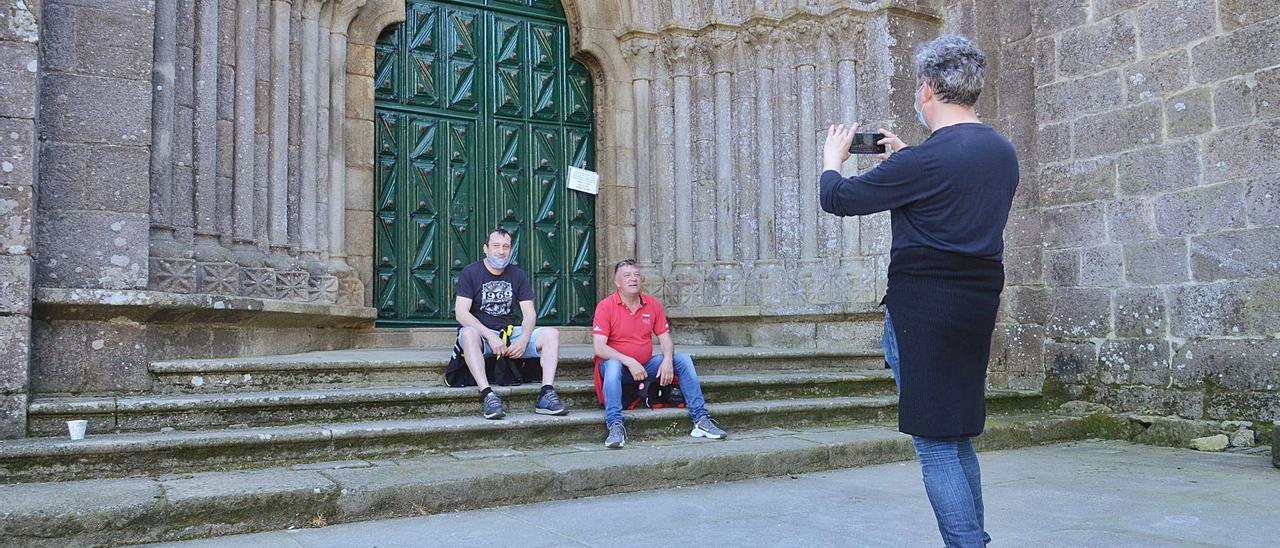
x=479 y=111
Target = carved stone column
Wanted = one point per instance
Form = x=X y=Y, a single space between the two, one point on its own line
x=278 y=171
x=767 y=271
x=350 y=290
x=244 y=198
x=641 y=53
x=679 y=50
x=309 y=134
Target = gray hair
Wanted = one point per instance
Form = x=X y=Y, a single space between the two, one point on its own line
x=953 y=67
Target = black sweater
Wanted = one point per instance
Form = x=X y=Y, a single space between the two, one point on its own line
x=951 y=193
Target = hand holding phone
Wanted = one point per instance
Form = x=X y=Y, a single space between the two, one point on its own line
x=867 y=143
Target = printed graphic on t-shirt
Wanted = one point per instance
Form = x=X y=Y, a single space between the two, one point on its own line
x=495 y=298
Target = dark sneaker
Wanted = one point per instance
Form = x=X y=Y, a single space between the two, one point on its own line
x=617 y=436
x=492 y=407
x=706 y=427
x=549 y=404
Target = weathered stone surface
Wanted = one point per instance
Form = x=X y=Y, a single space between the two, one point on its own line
x=1102 y=266
x=1184 y=403
x=1078 y=408
x=226 y=502
x=15 y=285
x=1046 y=61
x=1243 y=438
x=1251 y=253
x=1159 y=169
x=1023 y=265
x=1233 y=102
x=1071 y=362
x=1062 y=267
x=1142 y=361
x=1216 y=442
x=1048 y=16
x=87 y=509
x=18 y=71
x=1077 y=181
x=1262 y=201
x=1024 y=228
x=1242 y=13
x=15 y=352
x=16 y=217
x=1053 y=142
x=1079 y=313
x=1023 y=305
x=1267 y=93
x=1164 y=24
x=1017 y=348
x=103 y=42
x=1172 y=431
x=1156 y=261
x=1231 y=308
x=1201 y=210
x=1092 y=48
x=1238 y=364
x=1243 y=152
x=1155 y=77
x=1118 y=130
x=91 y=109
x=1074 y=225
x=91 y=249
x=1249 y=48
x=1068 y=99
x=1189 y=113
x=17 y=152
x=1140 y=312
x=1131 y=220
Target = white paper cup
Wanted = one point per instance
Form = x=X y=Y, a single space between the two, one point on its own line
x=76 y=428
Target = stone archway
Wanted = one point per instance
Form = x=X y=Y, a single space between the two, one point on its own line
x=593 y=26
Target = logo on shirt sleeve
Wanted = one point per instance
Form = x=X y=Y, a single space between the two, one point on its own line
x=597 y=328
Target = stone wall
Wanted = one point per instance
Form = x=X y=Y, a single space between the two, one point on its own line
x=1158 y=137
x=732 y=102
x=19 y=36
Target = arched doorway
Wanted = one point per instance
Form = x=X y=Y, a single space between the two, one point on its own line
x=479 y=111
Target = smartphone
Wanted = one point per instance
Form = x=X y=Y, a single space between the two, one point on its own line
x=865 y=143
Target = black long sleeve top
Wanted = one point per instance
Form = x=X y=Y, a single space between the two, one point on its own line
x=952 y=192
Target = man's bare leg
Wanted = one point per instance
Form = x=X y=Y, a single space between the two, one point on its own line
x=548 y=348
x=473 y=354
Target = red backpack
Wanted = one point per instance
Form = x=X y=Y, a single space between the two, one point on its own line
x=651 y=394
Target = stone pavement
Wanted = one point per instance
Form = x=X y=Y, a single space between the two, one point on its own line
x=1093 y=493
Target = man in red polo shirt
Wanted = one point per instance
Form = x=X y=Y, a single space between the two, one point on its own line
x=622 y=335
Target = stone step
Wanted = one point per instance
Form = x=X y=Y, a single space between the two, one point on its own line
x=57 y=458
x=46 y=416
x=443 y=337
x=418 y=367
x=185 y=506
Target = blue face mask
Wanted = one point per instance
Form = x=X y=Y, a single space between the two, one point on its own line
x=497 y=263
x=916 y=105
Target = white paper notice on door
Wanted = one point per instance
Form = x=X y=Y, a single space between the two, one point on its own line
x=583 y=180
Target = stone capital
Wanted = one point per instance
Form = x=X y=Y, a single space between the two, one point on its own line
x=640 y=52
x=721 y=46
x=805 y=39
x=761 y=39
x=847 y=36
x=311 y=8
x=680 y=51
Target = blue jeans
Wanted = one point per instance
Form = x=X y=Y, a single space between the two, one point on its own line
x=612 y=373
x=952 y=477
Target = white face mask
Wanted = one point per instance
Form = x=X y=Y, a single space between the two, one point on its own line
x=916 y=105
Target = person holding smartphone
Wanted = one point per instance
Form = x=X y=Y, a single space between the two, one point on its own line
x=949 y=200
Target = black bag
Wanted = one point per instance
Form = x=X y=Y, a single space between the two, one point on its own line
x=501 y=371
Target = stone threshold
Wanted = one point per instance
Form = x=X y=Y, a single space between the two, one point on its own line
x=186 y=506
x=161 y=307
x=833 y=312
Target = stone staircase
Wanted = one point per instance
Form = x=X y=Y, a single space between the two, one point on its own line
x=386 y=404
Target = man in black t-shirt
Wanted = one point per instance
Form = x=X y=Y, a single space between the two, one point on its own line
x=488 y=292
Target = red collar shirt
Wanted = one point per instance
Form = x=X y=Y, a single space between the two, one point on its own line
x=630 y=333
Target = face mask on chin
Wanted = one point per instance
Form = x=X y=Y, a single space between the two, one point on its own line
x=498 y=263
